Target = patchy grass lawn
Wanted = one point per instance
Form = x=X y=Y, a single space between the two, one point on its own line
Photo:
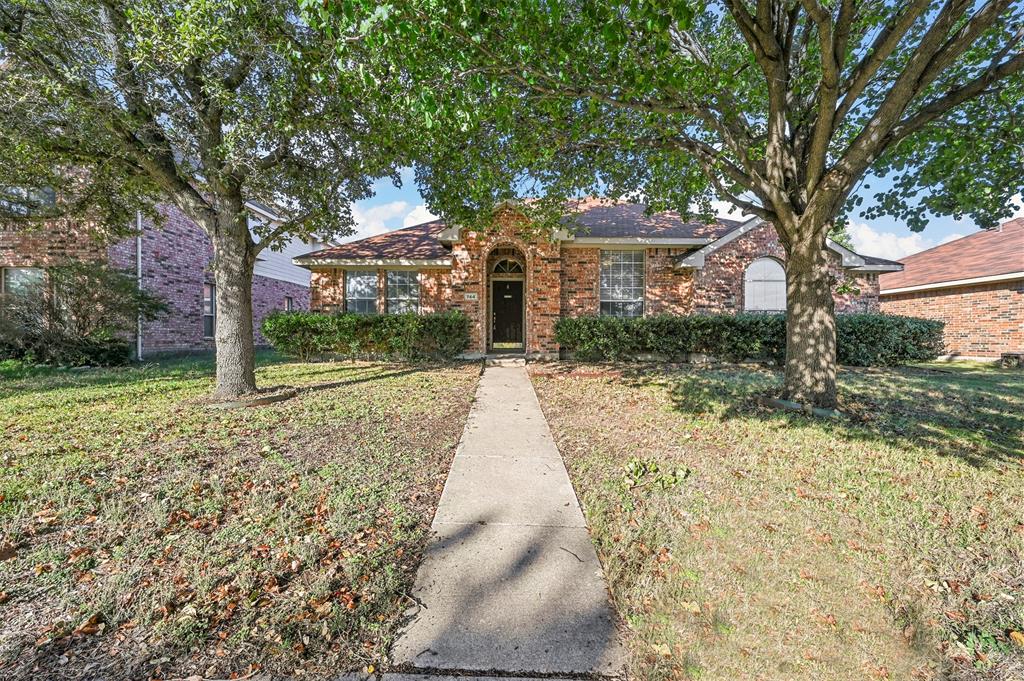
x=745 y=543
x=145 y=534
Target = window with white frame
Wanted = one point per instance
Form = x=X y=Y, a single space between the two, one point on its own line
x=403 y=291
x=764 y=286
x=209 y=310
x=622 y=283
x=361 y=292
x=21 y=280
x=289 y=304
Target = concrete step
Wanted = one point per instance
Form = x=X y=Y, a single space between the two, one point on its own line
x=505 y=361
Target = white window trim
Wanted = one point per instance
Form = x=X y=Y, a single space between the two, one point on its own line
x=376 y=290
x=415 y=300
x=746 y=282
x=643 y=284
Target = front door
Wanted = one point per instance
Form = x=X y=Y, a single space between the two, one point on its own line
x=507 y=315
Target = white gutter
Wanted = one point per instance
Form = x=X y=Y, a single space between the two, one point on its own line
x=1010 y=276
x=371 y=262
x=138 y=278
x=273 y=217
x=696 y=259
x=636 y=241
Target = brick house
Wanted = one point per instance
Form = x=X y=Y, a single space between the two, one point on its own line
x=974 y=284
x=609 y=258
x=172 y=261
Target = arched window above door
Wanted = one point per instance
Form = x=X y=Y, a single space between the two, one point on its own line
x=508 y=266
x=764 y=286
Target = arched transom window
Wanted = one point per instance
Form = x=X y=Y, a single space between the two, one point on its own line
x=508 y=267
x=764 y=286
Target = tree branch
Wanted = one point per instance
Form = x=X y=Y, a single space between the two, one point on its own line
x=882 y=48
x=954 y=98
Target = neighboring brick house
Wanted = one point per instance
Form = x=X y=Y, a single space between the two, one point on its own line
x=610 y=258
x=174 y=260
x=974 y=284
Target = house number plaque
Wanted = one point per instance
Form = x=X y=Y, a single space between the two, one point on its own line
x=471 y=296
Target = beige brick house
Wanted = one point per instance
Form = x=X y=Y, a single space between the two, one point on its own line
x=608 y=259
x=974 y=284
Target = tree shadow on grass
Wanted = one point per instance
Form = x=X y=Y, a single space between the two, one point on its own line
x=975 y=414
x=534 y=603
x=185 y=369
x=355 y=380
x=17 y=378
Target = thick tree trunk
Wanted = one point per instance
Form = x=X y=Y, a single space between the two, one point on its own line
x=234 y=258
x=810 y=326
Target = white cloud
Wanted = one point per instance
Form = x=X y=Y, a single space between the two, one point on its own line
x=724 y=209
x=869 y=241
x=1018 y=202
x=373 y=220
x=385 y=217
x=417 y=216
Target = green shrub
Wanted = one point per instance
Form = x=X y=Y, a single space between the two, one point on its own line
x=887 y=340
x=79 y=314
x=864 y=339
x=307 y=335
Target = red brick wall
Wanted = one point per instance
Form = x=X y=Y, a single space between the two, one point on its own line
x=435 y=290
x=866 y=300
x=55 y=244
x=175 y=264
x=983 y=320
x=327 y=289
x=268 y=295
x=543 y=282
x=668 y=290
x=581 y=268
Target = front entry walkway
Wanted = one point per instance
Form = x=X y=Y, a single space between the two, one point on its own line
x=511 y=582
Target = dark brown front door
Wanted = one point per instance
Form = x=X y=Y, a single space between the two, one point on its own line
x=507 y=308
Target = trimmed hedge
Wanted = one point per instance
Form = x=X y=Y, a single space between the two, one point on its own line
x=882 y=340
x=863 y=339
x=307 y=335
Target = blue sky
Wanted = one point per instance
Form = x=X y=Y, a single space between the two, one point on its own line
x=394 y=208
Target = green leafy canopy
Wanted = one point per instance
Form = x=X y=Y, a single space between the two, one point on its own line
x=118 y=105
x=781 y=107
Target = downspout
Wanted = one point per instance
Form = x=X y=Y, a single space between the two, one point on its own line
x=138 y=277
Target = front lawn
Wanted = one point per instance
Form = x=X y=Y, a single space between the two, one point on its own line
x=145 y=534
x=745 y=543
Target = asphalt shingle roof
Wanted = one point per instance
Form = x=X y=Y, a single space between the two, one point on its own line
x=605 y=219
x=418 y=242
x=586 y=218
x=982 y=254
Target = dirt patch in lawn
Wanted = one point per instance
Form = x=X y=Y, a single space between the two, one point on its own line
x=741 y=542
x=148 y=536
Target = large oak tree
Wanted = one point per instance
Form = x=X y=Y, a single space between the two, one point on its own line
x=781 y=107
x=118 y=105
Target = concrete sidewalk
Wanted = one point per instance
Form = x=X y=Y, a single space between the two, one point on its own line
x=511 y=582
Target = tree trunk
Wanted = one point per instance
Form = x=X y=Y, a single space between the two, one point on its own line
x=233 y=261
x=810 y=325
